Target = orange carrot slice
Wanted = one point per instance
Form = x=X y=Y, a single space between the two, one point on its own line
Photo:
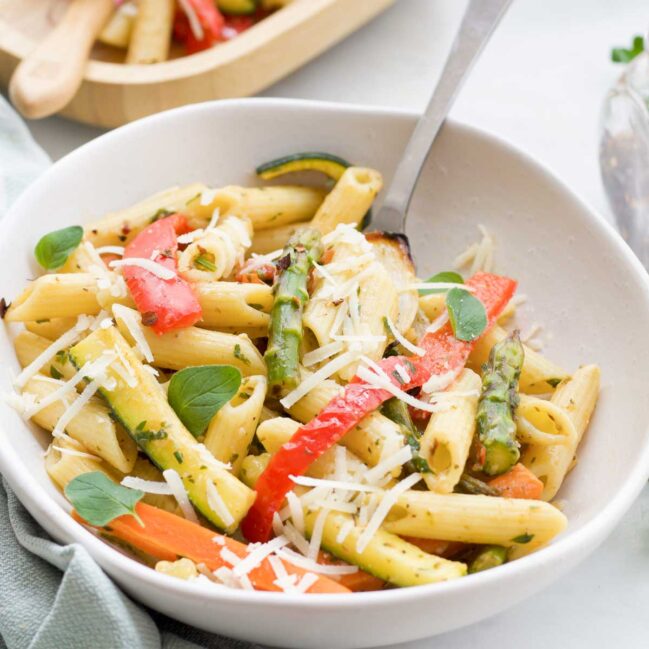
x=518 y=482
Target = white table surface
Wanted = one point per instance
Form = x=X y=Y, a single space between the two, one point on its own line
x=539 y=85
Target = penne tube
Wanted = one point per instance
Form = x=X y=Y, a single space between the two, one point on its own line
x=85 y=259
x=266 y=207
x=151 y=32
x=475 y=519
x=267 y=241
x=273 y=433
x=231 y=304
x=56 y=296
x=260 y=331
x=373 y=439
x=29 y=346
x=92 y=426
x=118 y=228
x=447 y=440
x=232 y=428
x=51 y=329
x=218 y=252
x=252 y=467
x=541 y=422
x=577 y=397
x=146 y=470
x=538 y=376
x=192 y=346
x=62 y=466
x=349 y=200
x=433 y=305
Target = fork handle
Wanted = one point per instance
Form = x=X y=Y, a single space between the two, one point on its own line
x=47 y=79
x=479 y=22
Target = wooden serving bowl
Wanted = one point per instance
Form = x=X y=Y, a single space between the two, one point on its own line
x=114 y=93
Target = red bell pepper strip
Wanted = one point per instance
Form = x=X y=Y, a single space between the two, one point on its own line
x=444 y=353
x=165 y=304
x=211 y=21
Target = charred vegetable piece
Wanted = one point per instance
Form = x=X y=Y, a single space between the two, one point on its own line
x=470 y=485
x=499 y=398
x=330 y=165
x=490 y=556
x=285 y=331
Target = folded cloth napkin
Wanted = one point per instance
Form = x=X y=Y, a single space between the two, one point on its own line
x=54 y=596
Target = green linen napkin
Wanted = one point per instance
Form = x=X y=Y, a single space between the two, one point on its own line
x=54 y=596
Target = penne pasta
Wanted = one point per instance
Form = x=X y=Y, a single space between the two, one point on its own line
x=230 y=304
x=232 y=429
x=151 y=33
x=92 y=426
x=52 y=328
x=195 y=346
x=350 y=199
x=577 y=397
x=447 y=440
x=30 y=346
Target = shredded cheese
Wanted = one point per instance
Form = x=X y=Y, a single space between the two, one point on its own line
x=132 y=321
x=146 y=264
x=344 y=530
x=318 y=377
x=306 y=582
x=385 y=466
x=402 y=340
x=322 y=353
x=310 y=565
x=438 y=382
x=192 y=17
x=147 y=486
x=180 y=494
x=73 y=452
x=297 y=514
x=386 y=504
x=111 y=250
x=71 y=412
x=306 y=481
x=258 y=554
x=218 y=506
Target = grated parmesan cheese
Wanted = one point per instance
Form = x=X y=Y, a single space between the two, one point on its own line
x=111 y=250
x=306 y=582
x=180 y=494
x=73 y=452
x=389 y=500
x=149 y=265
x=133 y=320
x=218 y=506
x=385 y=466
x=344 y=530
x=297 y=514
x=75 y=408
x=258 y=554
x=305 y=481
x=402 y=340
x=310 y=565
x=147 y=486
x=322 y=353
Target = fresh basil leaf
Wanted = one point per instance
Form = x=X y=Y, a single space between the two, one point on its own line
x=99 y=500
x=53 y=250
x=624 y=55
x=197 y=393
x=447 y=276
x=466 y=313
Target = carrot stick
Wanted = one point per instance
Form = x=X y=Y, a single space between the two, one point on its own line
x=518 y=482
x=166 y=536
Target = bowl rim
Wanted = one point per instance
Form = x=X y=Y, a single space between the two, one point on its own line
x=43 y=507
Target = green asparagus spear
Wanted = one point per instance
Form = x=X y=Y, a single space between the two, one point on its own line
x=490 y=556
x=397 y=411
x=499 y=399
x=285 y=330
x=470 y=485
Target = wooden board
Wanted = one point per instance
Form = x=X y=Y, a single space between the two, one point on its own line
x=114 y=93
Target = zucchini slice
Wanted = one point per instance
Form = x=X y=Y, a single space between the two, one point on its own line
x=146 y=414
x=238 y=7
x=330 y=165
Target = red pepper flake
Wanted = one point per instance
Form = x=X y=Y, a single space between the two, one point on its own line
x=126 y=228
x=149 y=318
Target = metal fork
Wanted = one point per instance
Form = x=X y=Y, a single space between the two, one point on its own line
x=478 y=23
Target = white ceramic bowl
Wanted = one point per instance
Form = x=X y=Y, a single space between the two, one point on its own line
x=583 y=284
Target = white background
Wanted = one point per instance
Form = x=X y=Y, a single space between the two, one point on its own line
x=540 y=85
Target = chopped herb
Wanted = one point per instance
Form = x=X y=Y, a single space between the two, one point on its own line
x=149 y=318
x=398 y=378
x=197 y=393
x=240 y=355
x=448 y=277
x=99 y=500
x=624 y=55
x=54 y=373
x=193 y=198
x=42 y=321
x=244 y=395
x=53 y=250
x=62 y=357
x=122 y=238
x=179 y=457
x=553 y=382
x=523 y=538
x=258 y=307
x=205 y=263
x=150 y=435
x=4 y=307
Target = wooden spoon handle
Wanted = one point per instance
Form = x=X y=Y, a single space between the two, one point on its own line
x=47 y=79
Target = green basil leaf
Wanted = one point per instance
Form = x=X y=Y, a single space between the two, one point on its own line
x=466 y=313
x=99 y=500
x=624 y=55
x=197 y=393
x=53 y=250
x=447 y=276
